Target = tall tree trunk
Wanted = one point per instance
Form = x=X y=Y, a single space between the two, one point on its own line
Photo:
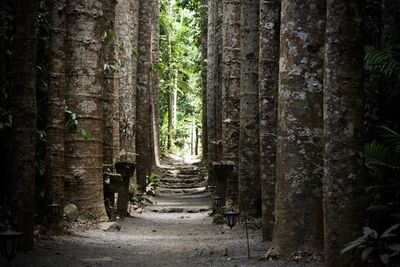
x=143 y=94
x=212 y=85
x=203 y=42
x=55 y=129
x=170 y=89
x=298 y=201
x=218 y=81
x=249 y=162
x=126 y=23
x=231 y=41
x=170 y=125
x=23 y=103
x=3 y=54
x=268 y=102
x=343 y=127
x=155 y=98
x=84 y=158
x=110 y=89
x=4 y=134
x=390 y=23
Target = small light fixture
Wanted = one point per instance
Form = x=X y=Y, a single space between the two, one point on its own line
x=54 y=210
x=8 y=240
x=139 y=196
x=211 y=188
x=231 y=216
x=217 y=201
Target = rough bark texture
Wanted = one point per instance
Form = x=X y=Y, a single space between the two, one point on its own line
x=126 y=22
x=143 y=94
x=390 y=22
x=343 y=128
x=110 y=89
x=5 y=164
x=155 y=97
x=231 y=10
x=212 y=83
x=55 y=129
x=218 y=80
x=268 y=102
x=298 y=202
x=23 y=103
x=204 y=33
x=84 y=159
x=249 y=170
x=3 y=54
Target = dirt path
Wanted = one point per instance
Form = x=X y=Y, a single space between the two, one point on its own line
x=184 y=237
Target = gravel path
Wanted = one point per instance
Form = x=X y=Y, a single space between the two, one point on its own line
x=180 y=233
x=153 y=239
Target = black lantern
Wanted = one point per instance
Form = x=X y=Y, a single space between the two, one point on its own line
x=8 y=240
x=231 y=216
x=211 y=188
x=139 y=196
x=217 y=201
x=54 y=210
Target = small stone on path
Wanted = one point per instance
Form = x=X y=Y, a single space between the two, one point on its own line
x=110 y=227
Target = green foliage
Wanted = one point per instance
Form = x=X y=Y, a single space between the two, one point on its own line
x=179 y=68
x=383 y=192
x=71 y=124
x=152 y=181
x=385 y=61
x=5 y=119
x=377 y=248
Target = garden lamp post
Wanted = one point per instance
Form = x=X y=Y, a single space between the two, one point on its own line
x=8 y=240
x=139 y=196
x=54 y=210
x=231 y=216
x=217 y=201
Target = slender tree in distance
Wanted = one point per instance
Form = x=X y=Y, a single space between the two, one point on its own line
x=155 y=85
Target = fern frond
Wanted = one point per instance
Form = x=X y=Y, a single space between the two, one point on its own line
x=385 y=61
x=391 y=138
x=381 y=155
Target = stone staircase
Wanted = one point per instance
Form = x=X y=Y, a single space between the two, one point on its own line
x=181 y=188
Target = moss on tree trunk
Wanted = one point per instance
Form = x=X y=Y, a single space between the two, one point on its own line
x=343 y=128
x=298 y=201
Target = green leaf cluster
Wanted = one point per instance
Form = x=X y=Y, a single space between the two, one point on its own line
x=180 y=66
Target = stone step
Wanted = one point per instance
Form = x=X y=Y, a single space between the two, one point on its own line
x=179 y=191
x=181 y=185
x=188 y=180
x=178 y=209
x=180 y=169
